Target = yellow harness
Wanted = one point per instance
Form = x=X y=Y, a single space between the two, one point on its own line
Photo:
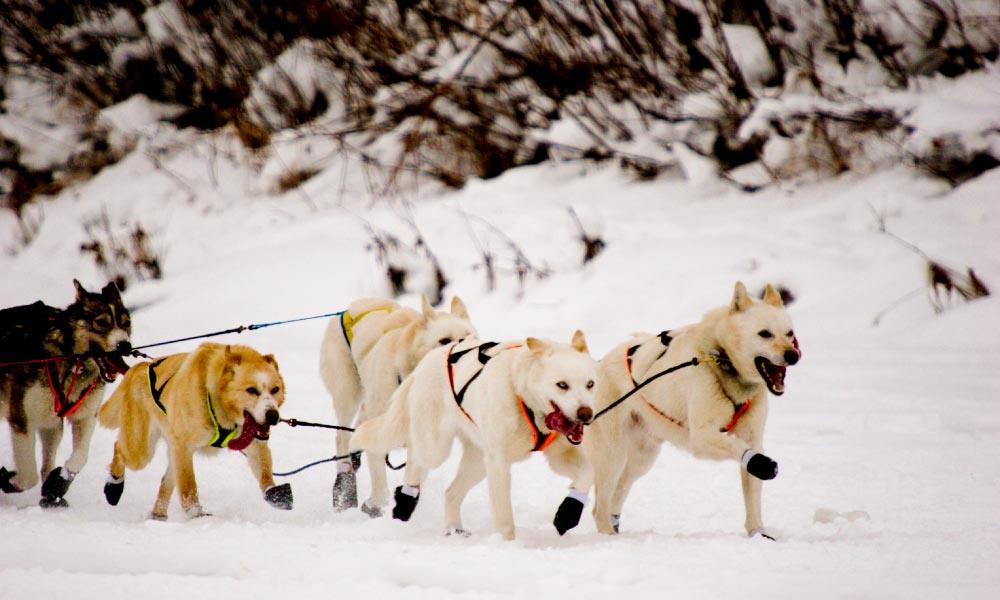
x=348 y=321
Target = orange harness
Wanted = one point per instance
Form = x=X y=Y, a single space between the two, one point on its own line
x=539 y=442
x=739 y=409
x=62 y=405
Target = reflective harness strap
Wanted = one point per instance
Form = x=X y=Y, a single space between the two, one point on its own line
x=221 y=437
x=538 y=442
x=348 y=321
x=60 y=397
x=739 y=409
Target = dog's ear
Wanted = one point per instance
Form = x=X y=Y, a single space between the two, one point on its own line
x=111 y=292
x=537 y=346
x=458 y=308
x=269 y=358
x=579 y=342
x=410 y=332
x=741 y=299
x=772 y=296
x=425 y=308
x=232 y=358
x=80 y=292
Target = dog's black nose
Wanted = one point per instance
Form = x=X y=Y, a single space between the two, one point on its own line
x=791 y=357
x=585 y=414
x=271 y=416
x=124 y=347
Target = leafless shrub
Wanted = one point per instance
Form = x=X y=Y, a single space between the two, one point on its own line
x=294 y=177
x=592 y=244
x=404 y=264
x=123 y=253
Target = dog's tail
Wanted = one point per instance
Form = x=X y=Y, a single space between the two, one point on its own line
x=387 y=431
x=124 y=411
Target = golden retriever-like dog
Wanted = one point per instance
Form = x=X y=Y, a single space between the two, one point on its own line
x=213 y=398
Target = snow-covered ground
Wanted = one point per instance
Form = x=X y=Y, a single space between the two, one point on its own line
x=887 y=436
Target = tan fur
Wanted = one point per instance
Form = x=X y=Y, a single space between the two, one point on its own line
x=217 y=372
x=424 y=417
x=689 y=407
x=386 y=346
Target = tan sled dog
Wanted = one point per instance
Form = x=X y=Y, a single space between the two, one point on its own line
x=488 y=395
x=213 y=398
x=715 y=410
x=364 y=356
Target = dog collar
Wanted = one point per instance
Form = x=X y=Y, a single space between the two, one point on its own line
x=62 y=405
x=538 y=442
x=348 y=321
x=221 y=437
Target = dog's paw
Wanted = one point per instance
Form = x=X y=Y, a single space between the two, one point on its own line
x=406 y=502
x=157 y=517
x=616 y=522
x=279 y=496
x=55 y=487
x=759 y=466
x=356 y=461
x=760 y=531
x=568 y=515
x=372 y=511
x=195 y=511
x=113 y=489
x=6 y=484
x=53 y=502
x=457 y=531
x=345 y=491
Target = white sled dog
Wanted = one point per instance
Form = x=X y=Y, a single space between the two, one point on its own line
x=715 y=410
x=365 y=354
x=488 y=396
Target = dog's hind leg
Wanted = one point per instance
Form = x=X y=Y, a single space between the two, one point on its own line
x=641 y=458
x=471 y=470
x=115 y=485
x=162 y=503
x=380 y=485
x=408 y=494
x=26 y=476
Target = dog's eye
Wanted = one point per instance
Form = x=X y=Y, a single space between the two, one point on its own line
x=275 y=390
x=790 y=333
x=590 y=384
x=253 y=391
x=103 y=321
x=765 y=334
x=444 y=341
x=562 y=385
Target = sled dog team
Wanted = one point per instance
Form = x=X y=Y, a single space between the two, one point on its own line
x=413 y=379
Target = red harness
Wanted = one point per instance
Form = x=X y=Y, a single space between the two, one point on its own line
x=538 y=442
x=738 y=413
x=62 y=405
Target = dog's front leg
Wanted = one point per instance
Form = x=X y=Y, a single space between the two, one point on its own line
x=83 y=431
x=498 y=478
x=259 y=458
x=182 y=462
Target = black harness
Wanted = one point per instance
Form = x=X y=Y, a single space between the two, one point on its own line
x=665 y=339
x=540 y=440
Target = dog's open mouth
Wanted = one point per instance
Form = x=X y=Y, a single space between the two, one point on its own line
x=110 y=365
x=557 y=421
x=250 y=431
x=773 y=375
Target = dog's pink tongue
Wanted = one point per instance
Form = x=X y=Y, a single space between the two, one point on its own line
x=247 y=434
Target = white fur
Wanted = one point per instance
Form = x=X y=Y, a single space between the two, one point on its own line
x=698 y=402
x=424 y=417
